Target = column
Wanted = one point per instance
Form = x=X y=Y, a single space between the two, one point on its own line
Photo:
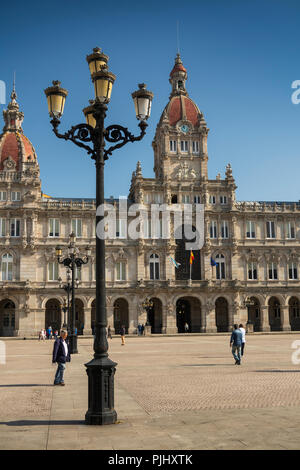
x=87 y=321
x=169 y=319
x=264 y=313
x=285 y=318
x=110 y=318
x=210 y=312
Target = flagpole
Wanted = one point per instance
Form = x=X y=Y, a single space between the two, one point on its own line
x=190 y=266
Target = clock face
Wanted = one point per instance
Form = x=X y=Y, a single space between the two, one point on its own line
x=184 y=128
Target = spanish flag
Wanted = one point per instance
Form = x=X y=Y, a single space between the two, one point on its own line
x=192 y=257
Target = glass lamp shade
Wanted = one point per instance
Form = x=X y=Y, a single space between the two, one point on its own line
x=97 y=60
x=103 y=83
x=56 y=97
x=88 y=112
x=58 y=251
x=142 y=99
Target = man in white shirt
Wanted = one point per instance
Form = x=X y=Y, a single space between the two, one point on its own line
x=242 y=329
x=61 y=355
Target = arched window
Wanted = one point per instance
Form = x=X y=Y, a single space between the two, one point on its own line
x=6 y=268
x=220 y=268
x=154 y=266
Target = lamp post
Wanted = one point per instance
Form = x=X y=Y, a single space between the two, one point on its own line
x=92 y=136
x=147 y=305
x=72 y=261
x=68 y=289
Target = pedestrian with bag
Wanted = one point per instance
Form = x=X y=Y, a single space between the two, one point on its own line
x=236 y=344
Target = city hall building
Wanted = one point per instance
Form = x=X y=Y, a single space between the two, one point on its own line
x=247 y=270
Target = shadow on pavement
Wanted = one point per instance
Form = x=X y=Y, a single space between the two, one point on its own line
x=41 y=423
x=26 y=385
x=277 y=370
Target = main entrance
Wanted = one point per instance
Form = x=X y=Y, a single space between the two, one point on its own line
x=188 y=313
x=53 y=314
x=155 y=316
x=121 y=316
x=7 y=318
x=222 y=317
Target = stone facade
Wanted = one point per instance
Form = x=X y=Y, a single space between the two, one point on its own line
x=255 y=245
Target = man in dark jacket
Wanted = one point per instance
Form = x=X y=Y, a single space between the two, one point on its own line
x=236 y=344
x=61 y=355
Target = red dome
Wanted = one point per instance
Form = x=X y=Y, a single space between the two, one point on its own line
x=178 y=67
x=15 y=145
x=176 y=112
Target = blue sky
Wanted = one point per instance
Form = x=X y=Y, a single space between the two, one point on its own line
x=241 y=57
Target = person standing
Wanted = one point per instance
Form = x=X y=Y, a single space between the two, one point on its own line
x=109 y=332
x=122 y=333
x=60 y=356
x=241 y=327
x=186 y=327
x=236 y=344
x=143 y=329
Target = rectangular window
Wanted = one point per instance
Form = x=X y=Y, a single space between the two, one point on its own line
x=195 y=147
x=252 y=271
x=291 y=230
x=121 y=271
x=184 y=146
x=121 y=228
x=173 y=146
x=77 y=227
x=270 y=229
x=77 y=273
x=53 y=271
x=293 y=271
x=224 y=229
x=213 y=229
x=147 y=228
x=185 y=199
x=223 y=199
x=250 y=229
x=15 y=227
x=53 y=227
x=2 y=227
x=3 y=195
x=197 y=199
x=15 y=196
x=147 y=198
x=212 y=199
x=273 y=271
x=220 y=271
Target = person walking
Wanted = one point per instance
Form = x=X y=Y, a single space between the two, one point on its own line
x=241 y=327
x=139 y=328
x=60 y=356
x=122 y=333
x=143 y=329
x=236 y=344
x=49 y=332
x=109 y=332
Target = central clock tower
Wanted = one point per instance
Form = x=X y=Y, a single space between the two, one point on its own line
x=180 y=142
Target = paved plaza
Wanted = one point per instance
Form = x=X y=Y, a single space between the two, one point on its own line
x=180 y=392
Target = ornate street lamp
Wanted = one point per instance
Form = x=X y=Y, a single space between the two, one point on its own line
x=72 y=261
x=147 y=305
x=66 y=306
x=92 y=136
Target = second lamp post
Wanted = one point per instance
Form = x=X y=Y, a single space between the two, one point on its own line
x=72 y=261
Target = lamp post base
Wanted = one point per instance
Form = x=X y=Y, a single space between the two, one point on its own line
x=101 y=392
x=73 y=344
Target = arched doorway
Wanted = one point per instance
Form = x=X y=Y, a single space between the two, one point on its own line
x=121 y=315
x=254 y=314
x=294 y=313
x=53 y=314
x=182 y=256
x=93 y=316
x=222 y=317
x=188 y=310
x=7 y=318
x=79 y=316
x=155 y=316
x=274 y=314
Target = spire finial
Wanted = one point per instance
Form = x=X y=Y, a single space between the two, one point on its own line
x=13 y=93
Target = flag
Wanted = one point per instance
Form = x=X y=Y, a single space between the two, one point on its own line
x=192 y=257
x=176 y=264
x=212 y=262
